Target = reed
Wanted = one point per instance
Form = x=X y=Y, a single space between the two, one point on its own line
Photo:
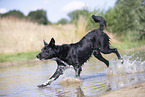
x=81 y=26
x=22 y=35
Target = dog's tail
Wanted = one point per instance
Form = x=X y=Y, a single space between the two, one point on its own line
x=100 y=20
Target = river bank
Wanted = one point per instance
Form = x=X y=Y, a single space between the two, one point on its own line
x=15 y=63
x=136 y=90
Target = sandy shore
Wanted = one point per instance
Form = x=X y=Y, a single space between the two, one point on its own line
x=137 y=90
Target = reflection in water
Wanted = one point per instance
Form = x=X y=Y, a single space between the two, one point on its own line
x=21 y=81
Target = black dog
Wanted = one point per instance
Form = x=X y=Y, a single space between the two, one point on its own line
x=76 y=54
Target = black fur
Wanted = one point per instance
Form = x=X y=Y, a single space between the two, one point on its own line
x=100 y=20
x=76 y=54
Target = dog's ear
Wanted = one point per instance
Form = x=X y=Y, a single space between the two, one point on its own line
x=45 y=43
x=52 y=42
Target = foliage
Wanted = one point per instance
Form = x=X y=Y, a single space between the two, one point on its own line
x=127 y=18
x=38 y=16
x=14 y=13
x=74 y=15
x=62 y=21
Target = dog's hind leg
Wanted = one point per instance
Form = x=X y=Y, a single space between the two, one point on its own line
x=78 y=69
x=108 y=51
x=98 y=55
x=104 y=46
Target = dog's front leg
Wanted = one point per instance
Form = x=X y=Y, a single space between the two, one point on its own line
x=57 y=73
x=48 y=82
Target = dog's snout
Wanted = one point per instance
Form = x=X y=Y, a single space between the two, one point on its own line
x=38 y=56
x=93 y=16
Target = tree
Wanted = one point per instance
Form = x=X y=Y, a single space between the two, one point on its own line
x=38 y=16
x=14 y=13
x=128 y=18
x=74 y=15
x=62 y=21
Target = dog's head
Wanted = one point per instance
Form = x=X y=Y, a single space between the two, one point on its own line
x=47 y=51
x=99 y=19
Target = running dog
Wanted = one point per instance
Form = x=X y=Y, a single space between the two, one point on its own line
x=76 y=54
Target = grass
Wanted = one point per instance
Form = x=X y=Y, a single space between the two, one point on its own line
x=125 y=45
x=81 y=26
x=25 y=56
x=23 y=36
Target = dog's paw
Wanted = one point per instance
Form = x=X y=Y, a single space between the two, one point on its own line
x=122 y=61
x=42 y=85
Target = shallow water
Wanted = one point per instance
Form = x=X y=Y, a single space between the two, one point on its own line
x=22 y=80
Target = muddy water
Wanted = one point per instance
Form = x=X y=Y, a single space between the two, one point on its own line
x=22 y=80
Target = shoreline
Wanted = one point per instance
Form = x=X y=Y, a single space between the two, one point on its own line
x=135 y=90
x=15 y=63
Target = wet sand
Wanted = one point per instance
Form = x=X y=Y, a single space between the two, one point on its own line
x=136 y=90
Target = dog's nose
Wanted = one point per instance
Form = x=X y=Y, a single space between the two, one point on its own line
x=93 y=16
x=38 y=56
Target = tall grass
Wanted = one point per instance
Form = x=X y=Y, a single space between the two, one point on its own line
x=22 y=36
x=81 y=26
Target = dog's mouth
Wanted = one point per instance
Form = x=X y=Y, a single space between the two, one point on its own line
x=42 y=59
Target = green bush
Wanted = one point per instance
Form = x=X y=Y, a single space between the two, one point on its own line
x=13 y=13
x=62 y=21
x=74 y=15
x=38 y=16
x=127 y=18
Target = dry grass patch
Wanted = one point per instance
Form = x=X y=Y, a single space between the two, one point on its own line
x=22 y=36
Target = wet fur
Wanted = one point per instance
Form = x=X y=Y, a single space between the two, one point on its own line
x=76 y=54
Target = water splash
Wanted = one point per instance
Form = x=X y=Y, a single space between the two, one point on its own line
x=69 y=72
x=132 y=64
x=68 y=77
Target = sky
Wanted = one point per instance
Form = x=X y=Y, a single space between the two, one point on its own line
x=56 y=9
